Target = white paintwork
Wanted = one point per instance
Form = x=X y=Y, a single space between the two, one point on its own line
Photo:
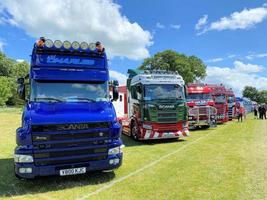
x=156 y=78
x=119 y=105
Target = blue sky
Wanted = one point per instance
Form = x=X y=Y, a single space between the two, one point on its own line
x=230 y=36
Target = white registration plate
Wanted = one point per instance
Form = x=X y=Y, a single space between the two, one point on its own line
x=167 y=134
x=73 y=171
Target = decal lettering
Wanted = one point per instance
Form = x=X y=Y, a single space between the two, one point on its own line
x=63 y=60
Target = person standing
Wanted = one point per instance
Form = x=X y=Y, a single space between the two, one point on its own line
x=255 y=112
x=261 y=111
x=239 y=112
x=264 y=111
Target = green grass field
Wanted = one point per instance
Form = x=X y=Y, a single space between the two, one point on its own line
x=228 y=162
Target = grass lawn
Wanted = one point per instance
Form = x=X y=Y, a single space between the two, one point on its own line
x=228 y=162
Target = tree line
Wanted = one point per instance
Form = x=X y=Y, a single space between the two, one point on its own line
x=260 y=96
x=10 y=71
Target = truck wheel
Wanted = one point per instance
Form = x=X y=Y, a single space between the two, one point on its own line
x=134 y=131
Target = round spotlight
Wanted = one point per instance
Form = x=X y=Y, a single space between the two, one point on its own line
x=92 y=46
x=84 y=45
x=58 y=44
x=48 y=43
x=66 y=44
x=75 y=45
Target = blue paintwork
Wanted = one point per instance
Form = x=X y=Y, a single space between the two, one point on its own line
x=79 y=66
x=246 y=103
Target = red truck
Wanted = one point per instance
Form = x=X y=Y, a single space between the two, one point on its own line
x=231 y=99
x=201 y=106
x=219 y=95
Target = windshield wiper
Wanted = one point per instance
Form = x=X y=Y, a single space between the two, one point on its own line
x=49 y=99
x=82 y=98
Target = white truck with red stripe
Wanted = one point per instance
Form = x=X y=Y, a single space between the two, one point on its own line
x=153 y=105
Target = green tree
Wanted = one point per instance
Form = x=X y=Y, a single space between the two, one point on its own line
x=262 y=96
x=19 y=69
x=251 y=93
x=190 y=68
x=11 y=70
x=6 y=65
x=5 y=90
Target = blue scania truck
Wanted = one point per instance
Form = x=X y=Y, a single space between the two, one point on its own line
x=69 y=124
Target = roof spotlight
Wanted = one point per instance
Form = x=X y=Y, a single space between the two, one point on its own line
x=66 y=44
x=84 y=45
x=92 y=46
x=58 y=44
x=48 y=43
x=75 y=45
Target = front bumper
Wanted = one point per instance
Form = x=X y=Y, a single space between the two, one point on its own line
x=50 y=170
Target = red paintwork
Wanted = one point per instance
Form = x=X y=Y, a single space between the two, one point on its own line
x=222 y=108
x=199 y=88
x=123 y=89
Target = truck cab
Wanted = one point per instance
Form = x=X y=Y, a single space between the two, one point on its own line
x=156 y=106
x=231 y=100
x=69 y=124
x=201 y=106
x=219 y=95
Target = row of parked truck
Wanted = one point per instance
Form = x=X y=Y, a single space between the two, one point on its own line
x=157 y=104
x=69 y=123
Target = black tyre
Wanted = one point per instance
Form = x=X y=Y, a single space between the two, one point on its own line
x=134 y=131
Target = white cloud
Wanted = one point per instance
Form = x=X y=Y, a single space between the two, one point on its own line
x=237 y=77
x=20 y=60
x=252 y=56
x=160 y=26
x=247 y=68
x=201 y=22
x=81 y=20
x=214 y=60
x=245 y=19
x=175 y=26
x=231 y=56
x=118 y=76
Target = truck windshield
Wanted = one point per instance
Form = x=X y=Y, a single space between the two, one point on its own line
x=220 y=98
x=231 y=99
x=154 y=92
x=69 y=91
x=196 y=96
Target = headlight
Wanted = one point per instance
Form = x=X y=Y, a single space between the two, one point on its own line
x=23 y=158
x=66 y=44
x=58 y=44
x=75 y=45
x=92 y=46
x=48 y=43
x=84 y=46
x=114 y=151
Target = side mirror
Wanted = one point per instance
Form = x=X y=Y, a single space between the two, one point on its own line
x=185 y=91
x=21 y=91
x=115 y=93
x=113 y=86
x=20 y=80
x=21 y=88
x=139 y=89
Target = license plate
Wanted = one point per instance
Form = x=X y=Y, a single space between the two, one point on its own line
x=73 y=171
x=168 y=134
